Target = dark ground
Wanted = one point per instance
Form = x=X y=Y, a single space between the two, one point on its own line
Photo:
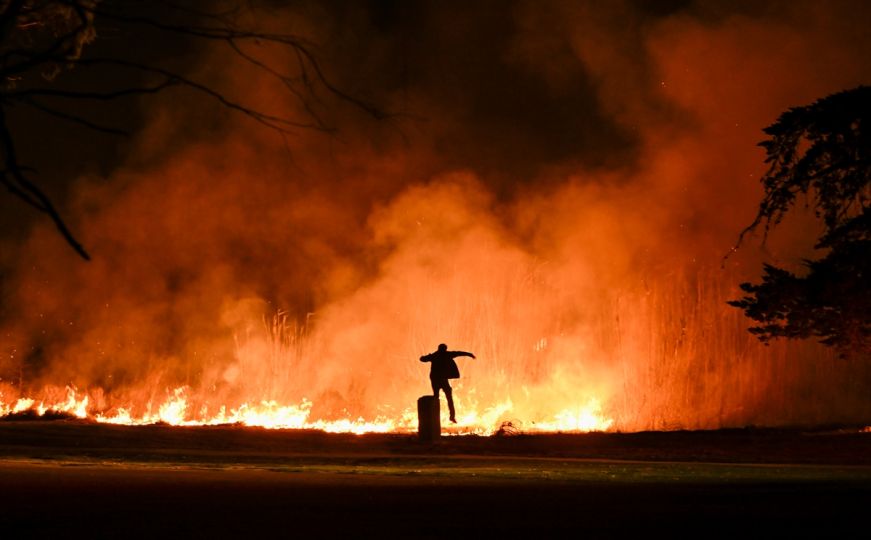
x=68 y=479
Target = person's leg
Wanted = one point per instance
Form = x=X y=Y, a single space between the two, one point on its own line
x=450 y=396
x=435 y=387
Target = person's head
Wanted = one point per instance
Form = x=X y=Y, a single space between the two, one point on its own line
x=443 y=347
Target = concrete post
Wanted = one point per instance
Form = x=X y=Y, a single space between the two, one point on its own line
x=429 y=426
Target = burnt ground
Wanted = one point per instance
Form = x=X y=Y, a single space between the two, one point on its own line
x=75 y=479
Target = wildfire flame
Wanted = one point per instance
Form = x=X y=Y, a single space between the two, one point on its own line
x=176 y=411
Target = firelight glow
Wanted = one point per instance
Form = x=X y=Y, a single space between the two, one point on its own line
x=569 y=232
x=269 y=414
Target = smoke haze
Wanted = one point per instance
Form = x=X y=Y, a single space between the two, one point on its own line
x=556 y=196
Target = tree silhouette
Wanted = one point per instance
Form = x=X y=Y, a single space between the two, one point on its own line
x=40 y=39
x=822 y=151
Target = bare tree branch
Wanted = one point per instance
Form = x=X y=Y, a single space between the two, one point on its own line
x=287 y=81
x=277 y=123
x=29 y=192
x=232 y=35
x=222 y=33
x=74 y=118
x=224 y=17
x=100 y=96
x=49 y=34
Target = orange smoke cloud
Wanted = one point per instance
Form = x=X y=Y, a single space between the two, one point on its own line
x=586 y=276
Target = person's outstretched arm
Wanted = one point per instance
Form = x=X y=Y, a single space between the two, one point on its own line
x=463 y=353
x=425 y=358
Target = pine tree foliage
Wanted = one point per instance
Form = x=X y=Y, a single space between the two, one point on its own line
x=821 y=151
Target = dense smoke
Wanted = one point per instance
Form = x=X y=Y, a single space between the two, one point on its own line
x=556 y=195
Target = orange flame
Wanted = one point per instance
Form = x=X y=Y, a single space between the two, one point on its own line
x=176 y=411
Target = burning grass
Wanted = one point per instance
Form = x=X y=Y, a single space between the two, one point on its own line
x=666 y=357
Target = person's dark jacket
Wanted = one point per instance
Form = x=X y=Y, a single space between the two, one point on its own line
x=442 y=364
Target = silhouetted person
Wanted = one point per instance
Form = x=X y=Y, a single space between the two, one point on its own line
x=442 y=367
